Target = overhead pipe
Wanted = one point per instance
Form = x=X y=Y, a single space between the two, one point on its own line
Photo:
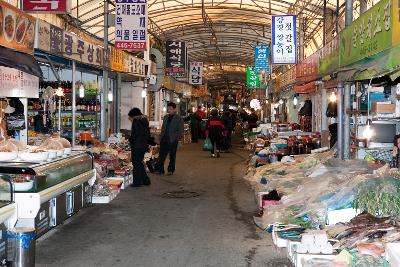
x=209 y=24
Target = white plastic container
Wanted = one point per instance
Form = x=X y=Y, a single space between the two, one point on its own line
x=392 y=254
x=34 y=157
x=7 y=156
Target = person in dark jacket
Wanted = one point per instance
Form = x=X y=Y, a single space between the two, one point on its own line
x=195 y=123
x=215 y=131
x=228 y=123
x=252 y=120
x=171 y=132
x=140 y=135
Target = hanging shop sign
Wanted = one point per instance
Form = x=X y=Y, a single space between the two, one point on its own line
x=117 y=59
x=252 y=77
x=262 y=58
x=307 y=69
x=46 y=6
x=15 y=83
x=284 y=49
x=131 y=24
x=17 y=29
x=82 y=51
x=370 y=34
x=196 y=73
x=175 y=59
x=329 y=57
x=133 y=65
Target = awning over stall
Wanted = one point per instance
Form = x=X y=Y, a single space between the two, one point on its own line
x=374 y=66
x=306 y=89
x=20 y=61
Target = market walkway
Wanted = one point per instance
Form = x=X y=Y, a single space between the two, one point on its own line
x=139 y=228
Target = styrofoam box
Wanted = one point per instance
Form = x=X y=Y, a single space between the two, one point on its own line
x=300 y=259
x=392 y=254
x=279 y=242
x=105 y=199
x=341 y=216
x=291 y=248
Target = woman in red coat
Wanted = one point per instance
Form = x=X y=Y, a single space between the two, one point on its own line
x=215 y=130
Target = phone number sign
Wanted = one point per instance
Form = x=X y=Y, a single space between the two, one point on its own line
x=131 y=24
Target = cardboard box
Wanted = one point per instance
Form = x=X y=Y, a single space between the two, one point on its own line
x=381 y=108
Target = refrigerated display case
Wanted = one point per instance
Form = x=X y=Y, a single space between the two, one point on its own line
x=48 y=193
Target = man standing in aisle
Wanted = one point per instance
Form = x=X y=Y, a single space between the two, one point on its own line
x=171 y=132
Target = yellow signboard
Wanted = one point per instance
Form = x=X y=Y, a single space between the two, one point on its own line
x=117 y=59
x=396 y=23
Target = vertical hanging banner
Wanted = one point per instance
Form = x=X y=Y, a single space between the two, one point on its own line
x=196 y=73
x=175 y=59
x=131 y=24
x=261 y=58
x=47 y=6
x=284 y=48
x=252 y=78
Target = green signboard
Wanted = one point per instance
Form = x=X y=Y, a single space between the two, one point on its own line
x=252 y=77
x=329 y=58
x=370 y=34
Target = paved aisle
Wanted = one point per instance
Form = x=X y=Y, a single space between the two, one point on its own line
x=139 y=228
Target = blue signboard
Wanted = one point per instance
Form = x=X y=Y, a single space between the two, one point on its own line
x=261 y=58
x=284 y=49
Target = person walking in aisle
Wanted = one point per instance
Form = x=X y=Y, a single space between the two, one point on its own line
x=171 y=132
x=215 y=131
x=228 y=123
x=252 y=120
x=195 y=124
x=140 y=134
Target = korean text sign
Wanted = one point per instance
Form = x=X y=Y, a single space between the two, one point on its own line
x=370 y=34
x=46 y=6
x=329 y=57
x=196 y=73
x=175 y=59
x=261 y=58
x=252 y=77
x=284 y=49
x=131 y=24
x=82 y=51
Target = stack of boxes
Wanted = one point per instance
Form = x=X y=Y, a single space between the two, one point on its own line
x=314 y=242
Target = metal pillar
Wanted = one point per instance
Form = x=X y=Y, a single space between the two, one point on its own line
x=324 y=25
x=104 y=91
x=301 y=38
x=346 y=125
x=363 y=6
x=324 y=123
x=73 y=102
x=340 y=120
x=117 y=104
x=348 y=13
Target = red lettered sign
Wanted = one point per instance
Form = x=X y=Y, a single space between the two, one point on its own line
x=46 y=6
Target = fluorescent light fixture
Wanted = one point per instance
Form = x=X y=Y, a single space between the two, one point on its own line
x=332 y=97
x=81 y=91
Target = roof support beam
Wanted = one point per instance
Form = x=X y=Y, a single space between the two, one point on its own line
x=209 y=24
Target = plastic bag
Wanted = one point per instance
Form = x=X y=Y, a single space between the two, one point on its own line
x=207 y=146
